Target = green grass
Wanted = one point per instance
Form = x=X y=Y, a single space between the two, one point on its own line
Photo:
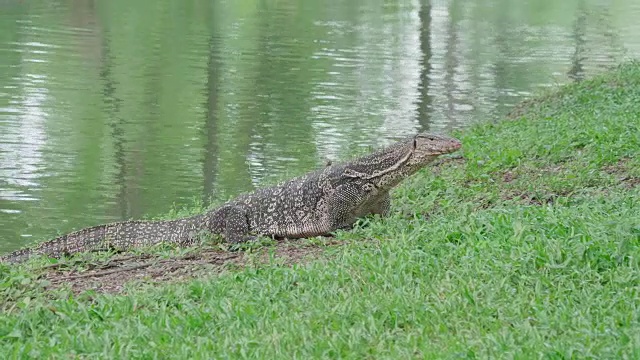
x=528 y=249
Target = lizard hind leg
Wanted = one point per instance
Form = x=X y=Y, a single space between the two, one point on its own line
x=236 y=225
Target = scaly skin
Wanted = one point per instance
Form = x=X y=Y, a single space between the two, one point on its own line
x=314 y=204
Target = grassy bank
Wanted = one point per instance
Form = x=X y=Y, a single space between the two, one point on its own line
x=529 y=247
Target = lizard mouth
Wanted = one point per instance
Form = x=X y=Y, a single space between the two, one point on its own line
x=455 y=145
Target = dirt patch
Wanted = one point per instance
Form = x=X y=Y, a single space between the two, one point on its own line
x=531 y=199
x=119 y=271
x=508 y=176
x=632 y=182
x=544 y=196
x=621 y=171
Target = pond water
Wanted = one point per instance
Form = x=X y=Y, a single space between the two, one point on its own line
x=111 y=110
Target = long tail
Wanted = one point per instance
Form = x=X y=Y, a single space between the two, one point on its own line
x=119 y=236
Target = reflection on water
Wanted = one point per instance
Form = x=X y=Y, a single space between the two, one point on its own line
x=112 y=110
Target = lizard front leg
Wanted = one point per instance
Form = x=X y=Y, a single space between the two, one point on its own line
x=344 y=205
x=382 y=206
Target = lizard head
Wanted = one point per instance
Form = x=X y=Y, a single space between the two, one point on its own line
x=387 y=167
x=428 y=146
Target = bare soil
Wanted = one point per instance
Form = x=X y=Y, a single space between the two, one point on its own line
x=119 y=272
x=621 y=171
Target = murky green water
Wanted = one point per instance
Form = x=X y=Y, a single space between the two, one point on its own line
x=115 y=109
